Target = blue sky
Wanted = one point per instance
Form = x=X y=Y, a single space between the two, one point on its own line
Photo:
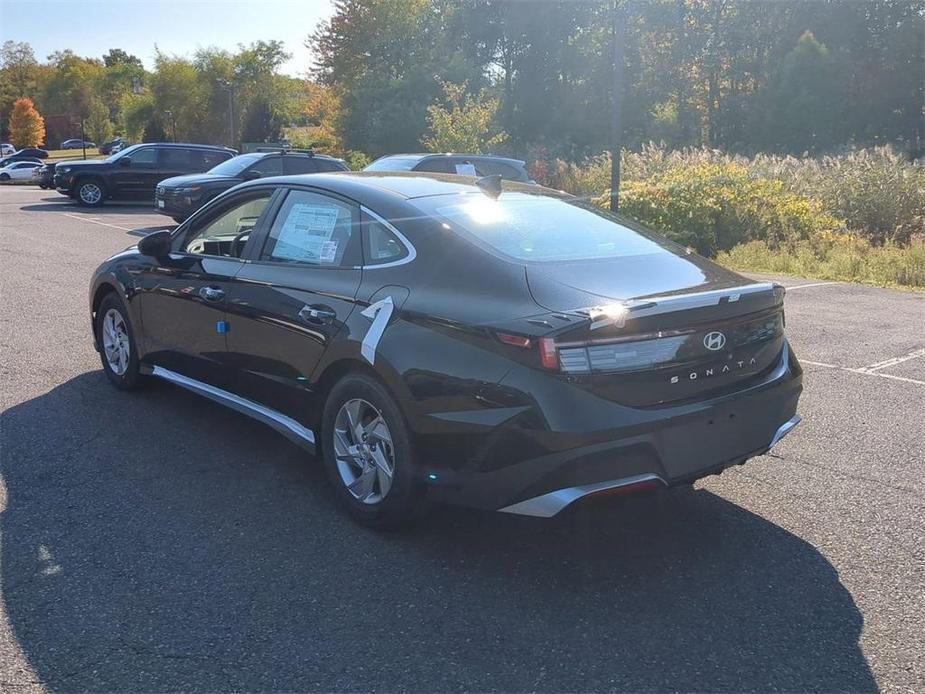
x=92 y=27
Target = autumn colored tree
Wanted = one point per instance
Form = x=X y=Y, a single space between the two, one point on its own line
x=27 y=127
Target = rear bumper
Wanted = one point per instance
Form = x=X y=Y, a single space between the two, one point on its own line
x=668 y=446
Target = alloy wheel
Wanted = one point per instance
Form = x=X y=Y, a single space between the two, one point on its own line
x=90 y=193
x=364 y=451
x=116 y=344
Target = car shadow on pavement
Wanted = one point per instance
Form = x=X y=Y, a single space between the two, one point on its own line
x=64 y=204
x=155 y=541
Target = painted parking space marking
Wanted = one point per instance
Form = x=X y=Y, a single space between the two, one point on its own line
x=814 y=284
x=863 y=371
x=896 y=360
x=93 y=220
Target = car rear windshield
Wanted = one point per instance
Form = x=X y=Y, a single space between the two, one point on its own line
x=393 y=164
x=235 y=165
x=541 y=228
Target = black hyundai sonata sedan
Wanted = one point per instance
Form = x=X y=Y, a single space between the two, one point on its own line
x=496 y=345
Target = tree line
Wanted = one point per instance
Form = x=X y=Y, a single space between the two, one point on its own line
x=215 y=96
x=738 y=75
x=743 y=76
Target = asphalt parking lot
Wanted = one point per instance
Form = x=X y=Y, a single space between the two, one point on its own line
x=156 y=541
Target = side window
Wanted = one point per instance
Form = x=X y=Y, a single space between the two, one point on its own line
x=382 y=246
x=328 y=165
x=314 y=229
x=436 y=166
x=268 y=166
x=144 y=158
x=226 y=234
x=299 y=165
x=204 y=160
x=175 y=159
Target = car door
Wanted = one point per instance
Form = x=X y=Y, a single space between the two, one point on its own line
x=293 y=298
x=133 y=174
x=183 y=297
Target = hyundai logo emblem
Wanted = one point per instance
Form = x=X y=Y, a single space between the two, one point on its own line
x=714 y=341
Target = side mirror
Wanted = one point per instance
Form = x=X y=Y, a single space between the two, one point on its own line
x=125 y=161
x=156 y=245
x=251 y=175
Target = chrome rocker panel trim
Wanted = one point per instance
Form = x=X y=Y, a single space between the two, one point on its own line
x=548 y=505
x=785 y=429
x=287 y=426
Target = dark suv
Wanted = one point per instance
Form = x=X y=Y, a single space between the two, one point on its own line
x=180 y=196
x=134 y=173
x=463 y=164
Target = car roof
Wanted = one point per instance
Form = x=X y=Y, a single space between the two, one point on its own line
x=186 y=145
x=291 y=153
x=398 y=184
x=440 y=155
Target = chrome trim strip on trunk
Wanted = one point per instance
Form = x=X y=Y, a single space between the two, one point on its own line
x=619 y=312
x=785 y=429
x=548 y=505
x=287 y=426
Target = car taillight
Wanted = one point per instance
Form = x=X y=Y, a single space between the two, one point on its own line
x=514 y=340
x=549 y=355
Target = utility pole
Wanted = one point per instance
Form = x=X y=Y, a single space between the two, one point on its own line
x=169 y=116
x=618 y=33
x=83 y=138
x=229 y=85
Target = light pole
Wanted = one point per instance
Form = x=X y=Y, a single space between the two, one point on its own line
x=616 y=133
x=172 y=136
x=229 y=86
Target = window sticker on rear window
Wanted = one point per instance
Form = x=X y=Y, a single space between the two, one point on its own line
x=306 y=234
x=466 y=169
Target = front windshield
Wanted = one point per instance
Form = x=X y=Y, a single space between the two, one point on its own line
x=124 y=152
x=542 y=228
x=235 y=165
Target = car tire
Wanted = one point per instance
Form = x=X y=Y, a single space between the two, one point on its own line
x=357 y=465
x=116 y=341
x=4 y=177
x=89 y=192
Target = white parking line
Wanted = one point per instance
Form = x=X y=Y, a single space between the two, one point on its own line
x=814 y=284
x=895 y=360
x=84 y=218
x=862 y=371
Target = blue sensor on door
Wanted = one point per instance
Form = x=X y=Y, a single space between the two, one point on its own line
x=221 y=327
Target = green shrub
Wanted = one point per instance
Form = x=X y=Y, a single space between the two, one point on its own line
x=713 y=207
x=836 y=257
x=875 y=192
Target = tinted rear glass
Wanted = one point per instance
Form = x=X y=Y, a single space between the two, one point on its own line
x=540 y=228
x=235 y=165
x=393 y=164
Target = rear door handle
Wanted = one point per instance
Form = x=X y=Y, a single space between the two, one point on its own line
x=317 y=314
x=212 y=293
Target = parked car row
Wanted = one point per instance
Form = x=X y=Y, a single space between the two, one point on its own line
x=182 y=177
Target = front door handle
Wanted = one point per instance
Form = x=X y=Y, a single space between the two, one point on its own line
x=317 y=314
x=212 y=293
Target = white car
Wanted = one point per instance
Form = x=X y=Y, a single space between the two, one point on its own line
x=6 y=148
x=18 y=171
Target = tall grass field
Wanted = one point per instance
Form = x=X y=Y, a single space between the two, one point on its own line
x=858 y=216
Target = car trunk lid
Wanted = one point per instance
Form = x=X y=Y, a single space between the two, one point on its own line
x=661 y=329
